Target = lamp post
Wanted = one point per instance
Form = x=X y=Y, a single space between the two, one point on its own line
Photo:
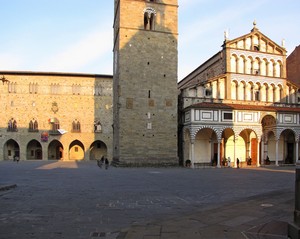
x=294 y=227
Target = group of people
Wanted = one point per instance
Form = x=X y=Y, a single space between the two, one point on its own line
x=103 y=161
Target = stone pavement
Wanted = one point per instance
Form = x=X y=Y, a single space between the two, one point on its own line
x=265 y=216
x=79 y=200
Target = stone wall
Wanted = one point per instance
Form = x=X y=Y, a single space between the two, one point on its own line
x=68 y=98
x=145 y=85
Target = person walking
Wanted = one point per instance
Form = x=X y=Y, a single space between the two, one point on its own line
x=100 y=162
x=106 y=163
x=237 y=162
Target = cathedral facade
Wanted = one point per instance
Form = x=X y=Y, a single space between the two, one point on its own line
x=238 y=108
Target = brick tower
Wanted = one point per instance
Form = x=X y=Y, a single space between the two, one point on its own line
x=145 y=82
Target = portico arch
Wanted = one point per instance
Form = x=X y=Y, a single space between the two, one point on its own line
x=228 y=146
x=34 y=150
x=206 y=147
x=97 y=150
x=288 y=147
x=76 y=150
x=55 y=150
x=11 y=148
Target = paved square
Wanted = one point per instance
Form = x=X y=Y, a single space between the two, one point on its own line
x=80 y=200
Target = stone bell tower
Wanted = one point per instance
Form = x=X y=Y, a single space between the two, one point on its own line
x=145 y=82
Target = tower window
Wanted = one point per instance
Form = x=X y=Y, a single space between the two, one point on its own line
x=149 y=18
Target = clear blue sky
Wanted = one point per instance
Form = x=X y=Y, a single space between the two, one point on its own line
x=77 y=35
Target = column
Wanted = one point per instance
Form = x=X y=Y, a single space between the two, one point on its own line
x=219 y=159
x=45 y=153
x=193 y=154
x=262 y=152
x=297 y=150
x=258 y=158
x=277 y=152
x=234 y=153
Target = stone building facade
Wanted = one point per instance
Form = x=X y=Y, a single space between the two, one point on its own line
x=145 y=82
x=240 y=105
x=55 y=116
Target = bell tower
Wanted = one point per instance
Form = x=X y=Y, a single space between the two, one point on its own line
x=145 y=82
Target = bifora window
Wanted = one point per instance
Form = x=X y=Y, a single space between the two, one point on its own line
x=12 y=125
x=76 y=128
x=149 y=18
x=33 y=126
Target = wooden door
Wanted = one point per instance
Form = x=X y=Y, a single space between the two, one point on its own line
x=254 y=151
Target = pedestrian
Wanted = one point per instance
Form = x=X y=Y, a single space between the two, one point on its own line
x=106 y=163
x=100 y=162
x=267 y=160
x=16 y=158
x=238 y=162
x=229 y=162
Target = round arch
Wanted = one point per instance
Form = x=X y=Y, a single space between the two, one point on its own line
x=288 y=145
x=228 y=150
x=247 y=147
x=206 y=142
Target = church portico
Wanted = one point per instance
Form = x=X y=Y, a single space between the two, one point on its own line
x=221 y=146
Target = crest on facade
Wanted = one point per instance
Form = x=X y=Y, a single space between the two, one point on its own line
x=44 y=136
x=54 y=107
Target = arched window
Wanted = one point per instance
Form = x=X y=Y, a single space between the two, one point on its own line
x=54 y=88
x=97 y=126
x=76 y=89
x=76 y=126
x=12 y=125
x=12 y=87
x=33 y=88
x=233 y=63
x=33 y=126
x=54 y=125
x=149 y=18
x=98 y=90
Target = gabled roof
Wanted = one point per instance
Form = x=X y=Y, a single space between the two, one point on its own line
x=255 y=31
